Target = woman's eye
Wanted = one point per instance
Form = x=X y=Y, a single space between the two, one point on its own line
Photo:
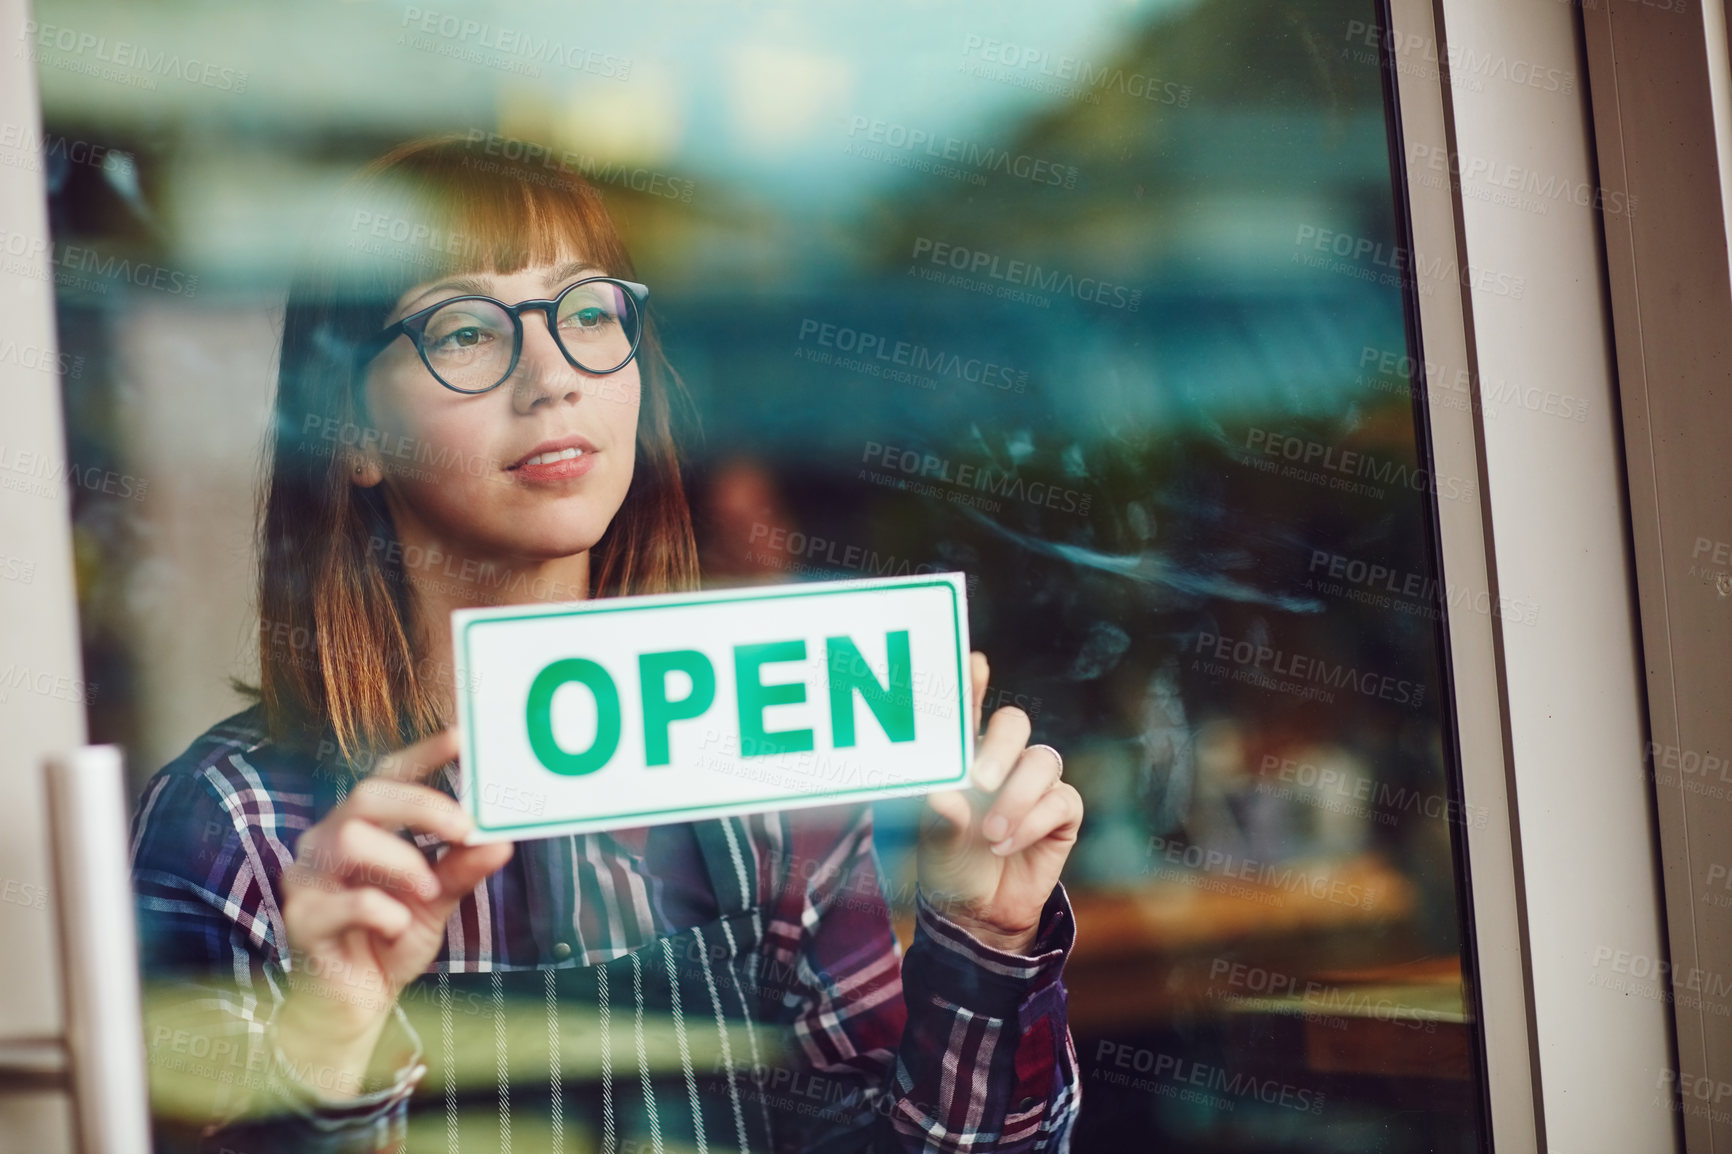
x=588 y=318
x=466 y=337
x=464 y=328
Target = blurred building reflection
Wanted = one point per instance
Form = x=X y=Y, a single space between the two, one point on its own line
x=1102 y=306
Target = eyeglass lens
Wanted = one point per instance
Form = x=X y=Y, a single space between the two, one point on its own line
x=468 y=343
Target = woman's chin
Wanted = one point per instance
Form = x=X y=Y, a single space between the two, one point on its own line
x=552 y=545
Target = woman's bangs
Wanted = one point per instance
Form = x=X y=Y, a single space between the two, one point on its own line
x=521 y=219
x=447 y=210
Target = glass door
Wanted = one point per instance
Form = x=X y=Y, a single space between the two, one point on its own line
x=1112 y=307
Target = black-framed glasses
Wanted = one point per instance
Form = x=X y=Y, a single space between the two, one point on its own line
x=472 y=343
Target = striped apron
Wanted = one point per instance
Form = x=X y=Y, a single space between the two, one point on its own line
x=669 y=1048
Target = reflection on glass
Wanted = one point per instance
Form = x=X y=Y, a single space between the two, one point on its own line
x=1101 y=305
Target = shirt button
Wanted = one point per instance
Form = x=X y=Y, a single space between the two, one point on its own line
x=1027 y=1104
x=561 y=950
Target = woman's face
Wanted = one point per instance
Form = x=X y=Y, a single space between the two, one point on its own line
x=484 y=473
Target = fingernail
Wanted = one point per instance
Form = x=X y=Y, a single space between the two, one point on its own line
x=995 y=827
x=1002 y=847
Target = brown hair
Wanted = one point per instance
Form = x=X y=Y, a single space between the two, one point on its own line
x=336 y=634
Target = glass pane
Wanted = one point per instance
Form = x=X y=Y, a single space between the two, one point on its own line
x=1104 y=305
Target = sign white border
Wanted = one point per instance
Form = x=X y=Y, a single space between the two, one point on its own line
x=471 y=787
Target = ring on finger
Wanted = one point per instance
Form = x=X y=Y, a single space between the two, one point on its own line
x=1056 y=755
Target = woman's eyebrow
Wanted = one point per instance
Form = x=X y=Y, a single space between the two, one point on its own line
x=469 y=285
x=462 y=285
x=568 y=270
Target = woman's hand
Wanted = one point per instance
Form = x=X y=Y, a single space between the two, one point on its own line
x=365 y=913
x=990 y=855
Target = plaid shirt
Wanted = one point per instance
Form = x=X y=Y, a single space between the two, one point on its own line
x=959 y=1046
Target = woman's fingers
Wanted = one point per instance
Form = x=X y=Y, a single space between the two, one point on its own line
x=358 y=907
x=414 y=762
x=357 y=852
x=978 y=673
x=1032 y=775
x=404 y=805
x=463 y=867
x=1059 y=811
x=392 y=797
x=356 y=849
x=951 y=805
x=1006 y=733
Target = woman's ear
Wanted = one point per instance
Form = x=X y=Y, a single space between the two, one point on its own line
x=364 y=471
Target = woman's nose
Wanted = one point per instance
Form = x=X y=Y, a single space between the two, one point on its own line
x=542 y=373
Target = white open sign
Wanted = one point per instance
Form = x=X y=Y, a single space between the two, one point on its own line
x=629 y=711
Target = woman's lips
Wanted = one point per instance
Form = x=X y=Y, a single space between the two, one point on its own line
x=556 y=465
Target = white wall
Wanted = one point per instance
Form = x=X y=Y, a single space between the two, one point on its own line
x=38 y=619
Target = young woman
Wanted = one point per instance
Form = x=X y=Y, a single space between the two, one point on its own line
x=472 y=408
